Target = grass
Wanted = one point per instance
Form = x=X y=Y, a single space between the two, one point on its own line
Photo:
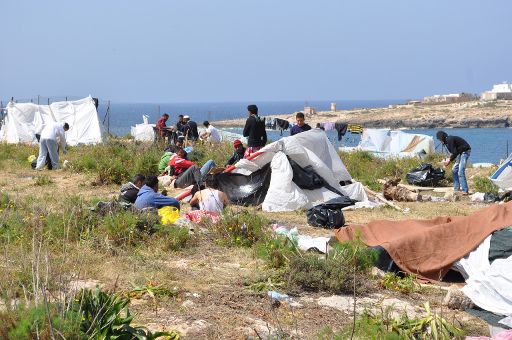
x=484 y=184
x=358 y=163
x=43 y=180
x=406 y=283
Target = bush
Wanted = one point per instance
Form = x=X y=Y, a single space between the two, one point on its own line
x=368 y=169
x=484 y=184
x=406 y=284
x=240 y=228
x=336 y=273
x=276 y=251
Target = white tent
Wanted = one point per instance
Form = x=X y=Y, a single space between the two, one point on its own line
x=503 y=176
x=394 y=143
x=307 y=148
x=24 y=120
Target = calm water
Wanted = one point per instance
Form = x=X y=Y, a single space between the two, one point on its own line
x=488 y=144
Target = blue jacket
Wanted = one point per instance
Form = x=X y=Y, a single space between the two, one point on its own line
x=147 y=197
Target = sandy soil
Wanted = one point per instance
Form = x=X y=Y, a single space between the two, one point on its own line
x=468 y=114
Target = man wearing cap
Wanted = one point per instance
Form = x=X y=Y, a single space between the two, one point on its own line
x=459 y=152
x=238 y=154
x=211 y=134
x=190 y=129
x=255 y=131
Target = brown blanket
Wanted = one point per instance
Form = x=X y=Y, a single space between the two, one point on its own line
x=428 y=248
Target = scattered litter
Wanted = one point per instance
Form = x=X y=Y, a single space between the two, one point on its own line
x=278 y=296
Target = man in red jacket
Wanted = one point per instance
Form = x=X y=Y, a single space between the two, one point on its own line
x=161 y=126
x=188 y=172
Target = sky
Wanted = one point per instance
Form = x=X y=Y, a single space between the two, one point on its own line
x=164 y=51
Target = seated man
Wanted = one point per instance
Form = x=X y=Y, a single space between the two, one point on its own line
x=238 y=154
x=210 y=199
x=130 y=190
x=148 y=196
x=188 y=172
x=211 y=134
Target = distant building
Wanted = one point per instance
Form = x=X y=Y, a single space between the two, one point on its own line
x=499 y=91
x=449 y=98
x=309 y=111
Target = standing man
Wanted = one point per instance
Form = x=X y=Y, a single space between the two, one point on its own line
x=190 y=129
x=459 y=152
x=52 y=132
x=255 y=131
x=211 y=134
x=301 y=126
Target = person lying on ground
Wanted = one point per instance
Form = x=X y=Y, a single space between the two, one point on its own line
x=210 y=199
x=459 y=152
x=188 y=173
x=301 y=126
x=148 y=196
x=211 y=134
x=130 y=190
x=254 y=130
x=51 y=134
x=238 y=154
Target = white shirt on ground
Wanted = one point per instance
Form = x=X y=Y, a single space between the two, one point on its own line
x=210 y=200
x=214 y=134
x=54 y=130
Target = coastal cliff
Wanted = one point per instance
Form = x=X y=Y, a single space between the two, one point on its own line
x=475 y=114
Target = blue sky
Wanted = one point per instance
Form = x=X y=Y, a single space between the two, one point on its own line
x=248 y=50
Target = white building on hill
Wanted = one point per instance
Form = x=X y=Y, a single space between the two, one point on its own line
x=499 y=91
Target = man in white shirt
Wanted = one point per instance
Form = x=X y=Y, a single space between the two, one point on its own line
x=52 y=132
x=212 y=134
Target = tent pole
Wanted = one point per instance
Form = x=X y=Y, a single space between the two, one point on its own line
x=37 y=99
x=108 y=119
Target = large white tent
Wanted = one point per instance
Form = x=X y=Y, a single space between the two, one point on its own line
x=24 y=120
x=394 y=143
x=311 y=148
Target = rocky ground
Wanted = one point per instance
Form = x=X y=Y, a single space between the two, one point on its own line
x=473 y=114
x=212 y=299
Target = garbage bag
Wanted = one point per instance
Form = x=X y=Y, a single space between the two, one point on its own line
x=245 y=190
x=307 y=178
x=425 y=175
x=329 y=215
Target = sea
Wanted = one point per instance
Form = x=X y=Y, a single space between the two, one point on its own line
x=489 y=145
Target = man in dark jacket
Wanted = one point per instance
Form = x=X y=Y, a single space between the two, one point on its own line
x=130 y=190
x=255 y=131
x=238 y=154
x=459 y=152
x=190 y=129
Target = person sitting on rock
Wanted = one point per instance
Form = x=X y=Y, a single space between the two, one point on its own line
x=210 y=199
x=149 y=197
x=130 y=190
x=187 y=173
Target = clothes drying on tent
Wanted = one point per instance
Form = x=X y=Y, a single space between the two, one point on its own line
x=282 y=125
x=24 y=120
x=341 y=128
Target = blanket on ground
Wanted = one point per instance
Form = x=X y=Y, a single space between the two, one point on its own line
x=429 y=247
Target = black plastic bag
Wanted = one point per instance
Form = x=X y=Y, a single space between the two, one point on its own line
x=245 y=190
x=425 y=175
x=307 y=178
x=329 y=215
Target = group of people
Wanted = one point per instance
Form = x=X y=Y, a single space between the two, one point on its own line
x=186 y=128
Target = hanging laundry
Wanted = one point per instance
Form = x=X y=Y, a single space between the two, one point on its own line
x=282 y=124
x=341 y=128
x=328 y=126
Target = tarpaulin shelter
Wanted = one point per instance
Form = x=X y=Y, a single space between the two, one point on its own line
x=394 y=143
x=311 y=150
x=503 y=176
x=24 y=120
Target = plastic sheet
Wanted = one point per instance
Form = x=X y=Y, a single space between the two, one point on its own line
x=425 y=175
x=168 y=215
x=245 y=189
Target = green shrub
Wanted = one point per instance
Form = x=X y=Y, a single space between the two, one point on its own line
x=406 y=284
x=368 y=169
x=173 y=238
x=484 y=184
x=336 y=273
x=241 y=228
x=43 y=180
x=276 y=251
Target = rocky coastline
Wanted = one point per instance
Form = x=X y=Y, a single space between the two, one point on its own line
x=474 y=114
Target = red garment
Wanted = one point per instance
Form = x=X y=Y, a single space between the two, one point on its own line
x=198 y=216
x=252 y=149
x=161 y=126
x=180 y=164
